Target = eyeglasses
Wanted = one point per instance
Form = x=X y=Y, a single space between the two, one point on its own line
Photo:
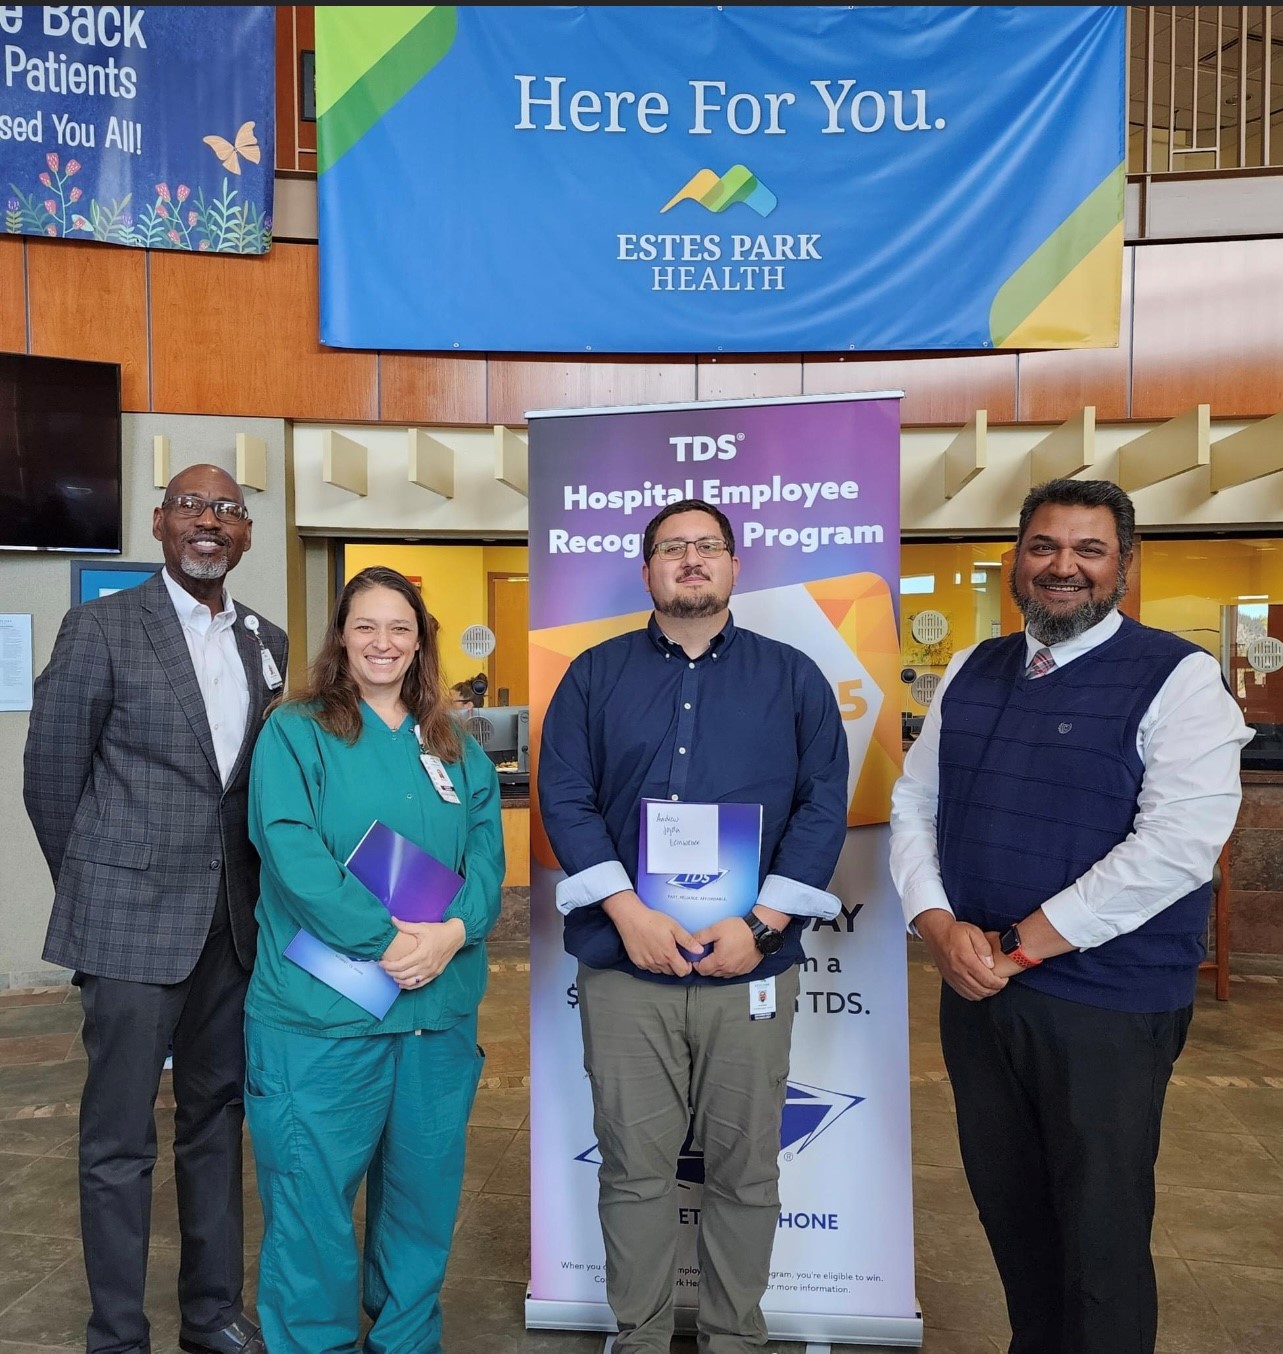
x=192 y=505
x=708 y=547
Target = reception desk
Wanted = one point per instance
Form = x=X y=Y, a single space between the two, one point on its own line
x=516 y=841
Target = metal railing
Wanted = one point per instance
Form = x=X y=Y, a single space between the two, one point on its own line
x=1205 y=88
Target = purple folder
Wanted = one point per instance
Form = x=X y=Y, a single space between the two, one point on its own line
x=411 y=884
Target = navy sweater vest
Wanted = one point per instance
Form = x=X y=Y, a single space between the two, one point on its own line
x=1038 y=781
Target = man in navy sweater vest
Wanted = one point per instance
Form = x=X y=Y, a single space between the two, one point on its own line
x=1053 y=839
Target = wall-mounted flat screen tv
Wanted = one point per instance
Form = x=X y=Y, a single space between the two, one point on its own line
x=60 y=455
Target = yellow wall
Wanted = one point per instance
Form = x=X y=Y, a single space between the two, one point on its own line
x=505 y=559
x=971 y=609
x=1184 y=584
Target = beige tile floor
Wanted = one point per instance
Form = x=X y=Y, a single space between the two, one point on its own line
x=1218 y=1239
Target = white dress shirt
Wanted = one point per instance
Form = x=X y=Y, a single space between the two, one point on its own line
x=1188 y=740
x=219 y=670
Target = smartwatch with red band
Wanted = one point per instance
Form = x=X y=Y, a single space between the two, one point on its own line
x=1009 y=943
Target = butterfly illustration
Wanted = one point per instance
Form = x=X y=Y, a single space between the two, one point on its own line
x=245 y=145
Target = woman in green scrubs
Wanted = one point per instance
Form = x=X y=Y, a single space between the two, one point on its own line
x=335 y=1096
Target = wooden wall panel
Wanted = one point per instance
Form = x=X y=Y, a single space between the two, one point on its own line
x=286 y=92
x=1054 y=385
x=13 y=296
x=1209 y=328
x=432 y=388
x=944 y=390
x=304 y=41
x=90 y=301
x=527 y=382
x=295 y=139
x=233 y=335
x=747 y=376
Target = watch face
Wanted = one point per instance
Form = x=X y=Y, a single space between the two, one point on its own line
x=769 y=941
x=1009 y=940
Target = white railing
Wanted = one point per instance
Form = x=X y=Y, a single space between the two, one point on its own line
x=1205 y=88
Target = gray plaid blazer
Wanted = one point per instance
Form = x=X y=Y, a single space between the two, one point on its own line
x=122 y=787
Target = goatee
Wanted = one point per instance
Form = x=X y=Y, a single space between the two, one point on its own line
x=1055 y=627
x=690 y=607
x=204 y=567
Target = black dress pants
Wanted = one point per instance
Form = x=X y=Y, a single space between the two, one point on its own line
x=1059 y=1111
x=128 y=1029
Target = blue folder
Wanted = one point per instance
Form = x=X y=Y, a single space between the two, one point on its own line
x=410 y=883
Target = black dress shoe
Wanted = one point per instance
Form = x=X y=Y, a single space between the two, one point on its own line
x=241 y=1336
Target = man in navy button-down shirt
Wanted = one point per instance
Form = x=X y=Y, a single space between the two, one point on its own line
x=690 y=709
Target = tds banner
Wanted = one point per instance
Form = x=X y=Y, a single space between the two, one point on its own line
x=612 y=178
x=147 y=126
x=812 y=489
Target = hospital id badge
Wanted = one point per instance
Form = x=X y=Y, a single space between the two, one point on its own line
x=440 y=778
x=761 y=999
x=271 y=673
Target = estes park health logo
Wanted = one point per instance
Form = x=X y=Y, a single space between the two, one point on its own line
x=809 y=1111
x=717 y=193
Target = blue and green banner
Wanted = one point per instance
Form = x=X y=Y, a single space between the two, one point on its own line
x=152 y=126
x=613 y=178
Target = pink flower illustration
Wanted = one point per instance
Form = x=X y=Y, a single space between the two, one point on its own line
x=46 y=180
x=183 y=192
x=162 y=191
x=204 y=244
x=51 y=230
x=80 y=223
x=51 y=206
x=52 y=161
x=162 y=210
x=75 y=195
x=191 y=218
x=173 y=235
x=72 y=167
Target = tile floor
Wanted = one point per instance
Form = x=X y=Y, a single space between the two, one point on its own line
x=1218 y=1239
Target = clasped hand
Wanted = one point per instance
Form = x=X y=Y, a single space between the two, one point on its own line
x=421 y=950
x=963 y=953
x=655 y=941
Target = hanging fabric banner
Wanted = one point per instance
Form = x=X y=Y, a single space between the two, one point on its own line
x=148 y=126
x=812 y=489
x=720 y=178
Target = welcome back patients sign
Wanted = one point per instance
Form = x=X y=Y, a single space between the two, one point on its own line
x=610 y=178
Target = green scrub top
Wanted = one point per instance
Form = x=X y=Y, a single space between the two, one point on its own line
x=312 y=798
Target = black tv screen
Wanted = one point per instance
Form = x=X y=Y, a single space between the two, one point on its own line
x=60 y=454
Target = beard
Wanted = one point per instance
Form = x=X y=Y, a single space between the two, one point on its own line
x=690 y=606
x=686 y=607
x=1055 y=627
x=203 y=567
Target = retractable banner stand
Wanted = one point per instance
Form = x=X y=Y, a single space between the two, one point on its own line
x=812 y=488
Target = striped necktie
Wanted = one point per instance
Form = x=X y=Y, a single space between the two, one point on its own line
x=1040 y=664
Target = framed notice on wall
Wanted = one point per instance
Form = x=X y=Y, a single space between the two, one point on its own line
x=91 y=579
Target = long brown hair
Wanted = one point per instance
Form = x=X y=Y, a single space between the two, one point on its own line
x=332 y=688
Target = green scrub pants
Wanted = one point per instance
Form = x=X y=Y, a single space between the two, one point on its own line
x=323 y=1115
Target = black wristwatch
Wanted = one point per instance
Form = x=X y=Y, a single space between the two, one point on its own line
x=767 y=938
x=1009 y=944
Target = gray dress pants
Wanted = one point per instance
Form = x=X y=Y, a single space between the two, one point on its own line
x=666 y=1059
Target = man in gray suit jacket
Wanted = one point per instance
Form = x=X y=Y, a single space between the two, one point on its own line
x=136 y=775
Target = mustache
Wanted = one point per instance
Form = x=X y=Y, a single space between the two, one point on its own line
x=693 y=572
x=221 y=537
